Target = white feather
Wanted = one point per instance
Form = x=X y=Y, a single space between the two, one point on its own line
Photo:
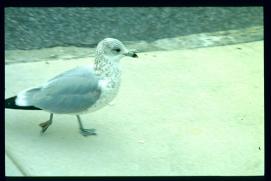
x=23 y=99
x=103 y=83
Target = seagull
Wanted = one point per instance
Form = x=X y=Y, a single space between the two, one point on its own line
x=80 y=90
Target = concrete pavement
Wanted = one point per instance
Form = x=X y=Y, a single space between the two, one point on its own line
x=180 y=112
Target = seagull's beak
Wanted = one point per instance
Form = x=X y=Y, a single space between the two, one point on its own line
x=131 y=53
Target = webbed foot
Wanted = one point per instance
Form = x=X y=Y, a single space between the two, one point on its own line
x=45 y=125
x=87 y=132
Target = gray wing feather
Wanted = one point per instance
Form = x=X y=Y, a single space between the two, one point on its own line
x=70 y=92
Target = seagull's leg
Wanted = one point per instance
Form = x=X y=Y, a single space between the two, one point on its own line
x=83 y=131
x=44 y=126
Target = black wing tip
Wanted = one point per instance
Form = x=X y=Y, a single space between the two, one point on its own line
x=10 y=104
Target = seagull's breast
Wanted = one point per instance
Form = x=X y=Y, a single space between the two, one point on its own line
x=109 y=89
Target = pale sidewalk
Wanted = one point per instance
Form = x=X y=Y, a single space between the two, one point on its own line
x=181 y=112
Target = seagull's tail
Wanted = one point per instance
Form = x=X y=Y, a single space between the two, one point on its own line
x=10 y=104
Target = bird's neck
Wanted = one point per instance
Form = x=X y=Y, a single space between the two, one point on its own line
x=106 y=68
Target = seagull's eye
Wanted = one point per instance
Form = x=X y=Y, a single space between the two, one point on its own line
x=117 y=49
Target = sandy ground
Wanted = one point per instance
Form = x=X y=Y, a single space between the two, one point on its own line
x=181 y=112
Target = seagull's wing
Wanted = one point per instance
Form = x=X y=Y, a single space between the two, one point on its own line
x=70 y=92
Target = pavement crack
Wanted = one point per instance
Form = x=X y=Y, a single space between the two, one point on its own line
x=16 y=164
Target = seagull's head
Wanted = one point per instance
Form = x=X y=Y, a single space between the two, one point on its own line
x=114 y=49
